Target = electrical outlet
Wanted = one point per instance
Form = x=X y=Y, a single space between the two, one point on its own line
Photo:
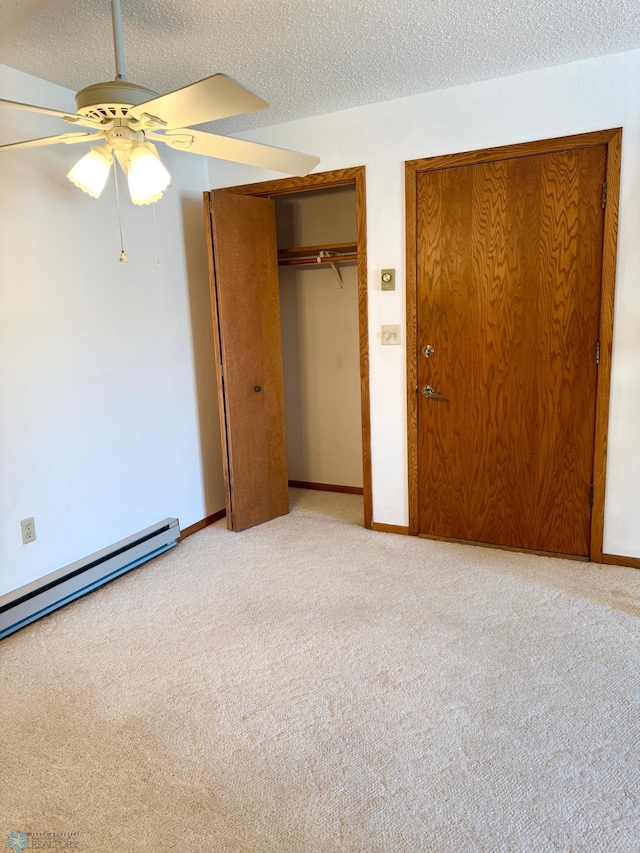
x=28 y=527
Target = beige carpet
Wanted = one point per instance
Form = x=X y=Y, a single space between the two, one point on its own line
x=308 y=685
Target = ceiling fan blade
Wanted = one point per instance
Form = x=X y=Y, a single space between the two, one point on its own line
x=70 y=117
x=238 y=150
x=67 y=138
x=210 y=99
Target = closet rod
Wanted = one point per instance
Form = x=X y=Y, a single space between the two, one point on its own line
x=310 y=251
x=319 y=259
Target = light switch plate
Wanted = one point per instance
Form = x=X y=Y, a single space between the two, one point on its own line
x=387 y=279
x=390 y=335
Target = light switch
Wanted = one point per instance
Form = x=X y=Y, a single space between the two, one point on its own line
x=390 y=335
x=387 y=279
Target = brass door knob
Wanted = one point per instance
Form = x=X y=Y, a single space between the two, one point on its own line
x=429 y=392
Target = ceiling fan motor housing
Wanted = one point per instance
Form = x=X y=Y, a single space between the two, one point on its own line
x=111 y=100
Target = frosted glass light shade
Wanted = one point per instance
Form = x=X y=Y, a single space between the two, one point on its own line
x=147 y=177
x=91 y=172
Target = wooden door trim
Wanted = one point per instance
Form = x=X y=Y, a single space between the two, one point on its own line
x=353 y=176
x=609 y=252
x=217 y=347
x=319 y=180
x=612 y=140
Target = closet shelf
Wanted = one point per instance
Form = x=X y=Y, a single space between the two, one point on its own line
x=307 y=255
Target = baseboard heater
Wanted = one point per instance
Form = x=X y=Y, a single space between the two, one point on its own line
x=31 y=602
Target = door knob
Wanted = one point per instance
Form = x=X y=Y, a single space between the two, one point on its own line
x=427 y=351
x=429 y=392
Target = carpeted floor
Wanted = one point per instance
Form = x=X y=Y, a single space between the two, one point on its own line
x=308 y=685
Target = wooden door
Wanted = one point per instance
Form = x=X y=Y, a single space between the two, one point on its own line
x=509 y=258
x=246 y=318
x=353 y=176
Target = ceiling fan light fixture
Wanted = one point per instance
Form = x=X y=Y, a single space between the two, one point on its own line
x=127 y=116
x=92 y=171
x=147 y=177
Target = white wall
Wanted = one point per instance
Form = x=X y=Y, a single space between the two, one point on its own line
x=108 y=419
x=321 y=367
x=584 y=96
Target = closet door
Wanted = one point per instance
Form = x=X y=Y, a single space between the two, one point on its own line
x=246 y=318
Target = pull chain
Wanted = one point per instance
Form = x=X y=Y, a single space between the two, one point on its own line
x=155 y=233
x=123 y=254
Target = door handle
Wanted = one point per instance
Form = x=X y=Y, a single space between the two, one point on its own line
x=429 y=392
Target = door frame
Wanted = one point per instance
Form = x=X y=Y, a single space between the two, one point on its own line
x=612 y=140
x=353 y=176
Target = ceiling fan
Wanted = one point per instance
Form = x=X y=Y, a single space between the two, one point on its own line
x=125 y=118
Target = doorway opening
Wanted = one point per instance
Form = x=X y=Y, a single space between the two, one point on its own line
x=321 y=256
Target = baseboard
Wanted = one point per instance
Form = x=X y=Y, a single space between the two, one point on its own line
x=390 y=528
x=615 y=560
x=325 y=487
x=53 y=591
x=199 y=525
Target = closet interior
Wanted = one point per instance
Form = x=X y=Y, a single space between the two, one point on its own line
x=317 y=265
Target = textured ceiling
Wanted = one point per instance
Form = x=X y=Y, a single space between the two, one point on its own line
x=308 y=57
